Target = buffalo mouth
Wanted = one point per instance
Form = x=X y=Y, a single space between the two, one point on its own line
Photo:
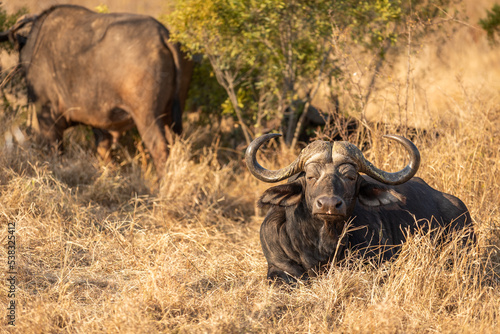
x=330 y=217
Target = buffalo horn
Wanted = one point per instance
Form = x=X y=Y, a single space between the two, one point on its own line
x=395 y=178
x=264 y=174
x=22 y=21
x=4 y=36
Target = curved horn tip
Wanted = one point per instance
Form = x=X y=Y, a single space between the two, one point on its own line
x=404 y=141
x=260 y=172
x=257 y=142
x=4 y=36
x=412 y=149
x=270 y=135
x=395 y=137
x=403 y=175
x=400 y=139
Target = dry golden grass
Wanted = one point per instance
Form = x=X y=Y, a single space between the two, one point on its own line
x=99 y=251
x=103 y=249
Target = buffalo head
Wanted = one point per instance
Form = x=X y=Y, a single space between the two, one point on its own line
x=331 y=182
x=18 y=33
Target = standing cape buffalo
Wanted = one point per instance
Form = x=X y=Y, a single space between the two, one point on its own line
x=110 y=71
x=307 y=215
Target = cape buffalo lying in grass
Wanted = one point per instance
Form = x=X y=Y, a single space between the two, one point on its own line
x=303 y=227
x=110 y=71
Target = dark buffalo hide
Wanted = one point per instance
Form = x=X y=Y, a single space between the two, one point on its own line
x=328 y=207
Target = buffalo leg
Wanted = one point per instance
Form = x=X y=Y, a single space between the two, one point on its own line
x=51 y=130
x=153 y=136
x=276 y=274
x=274 y=240
x=103 y=143
x=172 y=124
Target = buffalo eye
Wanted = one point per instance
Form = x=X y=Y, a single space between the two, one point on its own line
x=312 y=172
x=312 y=178
x=348 y=171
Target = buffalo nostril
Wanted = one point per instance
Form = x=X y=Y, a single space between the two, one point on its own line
x=319 y=203
x=329 y=205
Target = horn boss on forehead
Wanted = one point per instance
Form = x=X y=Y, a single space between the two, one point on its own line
x=315 y=149
x=365 y=166
x=325 y=150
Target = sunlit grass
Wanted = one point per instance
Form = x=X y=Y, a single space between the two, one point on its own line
x=102 y=249
x=106 y=248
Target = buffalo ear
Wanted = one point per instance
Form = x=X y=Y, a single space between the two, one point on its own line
x=374 y=194
x=20 y=41
x=287 y=194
